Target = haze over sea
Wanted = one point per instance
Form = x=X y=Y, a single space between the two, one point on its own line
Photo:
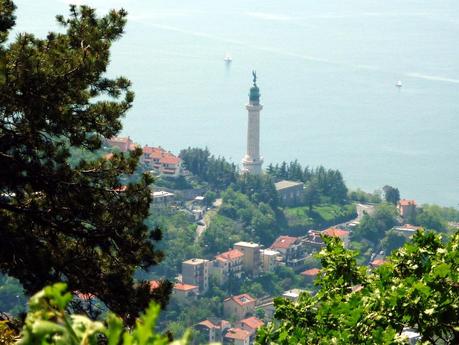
x=327 y=72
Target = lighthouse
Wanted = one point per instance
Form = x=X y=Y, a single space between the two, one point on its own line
x=252 y=161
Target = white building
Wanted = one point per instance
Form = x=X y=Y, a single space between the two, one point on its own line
x=252 y=161
x=269 y=259
x=251 y=258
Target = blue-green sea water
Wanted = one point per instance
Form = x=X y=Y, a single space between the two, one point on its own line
x=327 y=71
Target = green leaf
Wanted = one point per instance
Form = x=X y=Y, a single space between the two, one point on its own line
x=114 y=330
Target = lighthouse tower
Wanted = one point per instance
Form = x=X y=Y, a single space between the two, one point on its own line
x=252 y=161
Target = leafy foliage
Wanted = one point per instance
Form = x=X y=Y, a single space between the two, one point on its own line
x=326 y=185
x=431 y=217
x=221 y=233
x=48 y=323
x=392 y=241
x=391 y=194
x=361 y=196
x=258 y=218
x=417 y=288
x=179 y=232
x=320 y=216
x=373 y=227
x=216 y=171
x=61 y=219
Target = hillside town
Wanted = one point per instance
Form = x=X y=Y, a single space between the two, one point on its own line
x=243 y=314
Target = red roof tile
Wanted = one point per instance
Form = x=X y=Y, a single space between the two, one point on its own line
x=230 y=255
x=237 y=333
x=283 y=242
x=154 y=152
x=170 y=159
x=310 y=273
x=84 y=296
x=334 y=232
x=120 y=189
x=154 y=284
x=184 y=287
x=242 y=299
x=253 y=322
x=405 y=202
x=378 y=262
x=207 y=323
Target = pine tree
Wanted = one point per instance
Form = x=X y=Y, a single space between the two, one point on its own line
x=60 y=221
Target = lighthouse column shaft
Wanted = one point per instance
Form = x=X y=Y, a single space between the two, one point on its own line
x=251 y=163
x=253 y=132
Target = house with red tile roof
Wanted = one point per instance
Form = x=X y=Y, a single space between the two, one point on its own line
x=335 y=232
x=251 y=324
x=311 y=274
x=226 y=265
x=407 y=209
x=164 y=162
x=236 y=336
x=239 y=306
x=213 y=329
x=282 y=243
x=230 y=255
x=124 y=144
x=291 y=250
x=377 y=262
x=185 y=291
x=343 y=235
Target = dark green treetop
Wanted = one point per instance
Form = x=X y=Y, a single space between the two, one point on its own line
x=60 y=221
x=417 y=288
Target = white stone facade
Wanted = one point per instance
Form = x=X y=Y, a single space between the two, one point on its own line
x=252 y=161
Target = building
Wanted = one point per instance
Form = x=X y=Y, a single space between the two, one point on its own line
x=252 y=161
x=236 y=336
x=185 y=292
x=212 y=329
x=412 y=335
x=251 y=260
x=406 y=230
x=124 y=144
x=377 y=262
x=290 y=192
x=196 y=272
x=251 y=325
x=291 y=250
x=310 y=275
x=227 y=264
x=269 y=259
x=293 y=294
x=340 y=233
x=312 y=242
x=162 y=198
x=162 y=161
x=239 y=306
x=407 y=209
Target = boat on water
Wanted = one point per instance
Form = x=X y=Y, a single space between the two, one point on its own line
x=228 y=58
x=398 y=84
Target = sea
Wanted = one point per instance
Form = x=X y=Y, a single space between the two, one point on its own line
x=327 y=72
